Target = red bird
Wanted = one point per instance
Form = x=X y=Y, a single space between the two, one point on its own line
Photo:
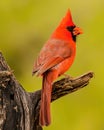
x=55 y=59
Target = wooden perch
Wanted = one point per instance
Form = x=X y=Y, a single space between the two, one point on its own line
x=19 y=110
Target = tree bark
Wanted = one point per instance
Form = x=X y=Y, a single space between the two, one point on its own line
x=19 y=110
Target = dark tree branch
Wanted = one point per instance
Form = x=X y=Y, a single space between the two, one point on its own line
x=19 y=110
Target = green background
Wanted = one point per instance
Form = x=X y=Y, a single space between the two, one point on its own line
x=25 y=25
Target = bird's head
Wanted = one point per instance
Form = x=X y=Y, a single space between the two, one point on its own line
x=69 y=25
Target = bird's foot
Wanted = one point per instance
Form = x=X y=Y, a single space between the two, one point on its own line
x=68 y=76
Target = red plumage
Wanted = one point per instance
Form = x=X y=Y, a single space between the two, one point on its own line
x=55 y=59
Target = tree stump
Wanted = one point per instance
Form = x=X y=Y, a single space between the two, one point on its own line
x=19 y=110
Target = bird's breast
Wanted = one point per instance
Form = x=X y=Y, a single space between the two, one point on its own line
x=66 y=64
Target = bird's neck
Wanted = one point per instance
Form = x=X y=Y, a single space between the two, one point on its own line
x=63 y=34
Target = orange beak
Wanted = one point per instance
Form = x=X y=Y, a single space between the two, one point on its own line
x=77 y=31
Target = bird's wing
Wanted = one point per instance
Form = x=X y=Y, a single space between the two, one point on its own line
x=54 y=52
x=51 y=63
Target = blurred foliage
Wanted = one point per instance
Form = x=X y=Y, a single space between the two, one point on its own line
x=25 y=25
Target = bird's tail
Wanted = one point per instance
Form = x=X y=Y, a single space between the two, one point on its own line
x=45 y=115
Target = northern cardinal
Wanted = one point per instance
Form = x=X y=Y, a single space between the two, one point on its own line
x=55 y=58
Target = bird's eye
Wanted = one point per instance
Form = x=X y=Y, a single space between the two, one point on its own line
x=70 y=28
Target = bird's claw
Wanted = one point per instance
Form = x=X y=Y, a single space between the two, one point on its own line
x=68 y=76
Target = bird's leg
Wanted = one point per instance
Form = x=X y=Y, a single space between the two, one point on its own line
x=68 y=76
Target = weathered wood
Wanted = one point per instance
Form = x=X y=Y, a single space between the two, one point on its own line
x=19 y=110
